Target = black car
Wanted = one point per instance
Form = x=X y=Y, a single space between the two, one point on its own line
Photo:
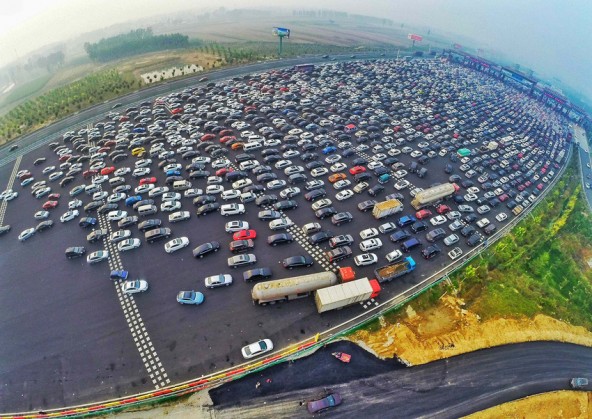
x=471 y=218
x=367 y=205
x=241 y=246
x=86 y=222
x=419 y=226
x=341 y=218
x=297 y=262
x=75 y=252
x=279 y=238
x=203 y=199
x=266 y=177
x=375 y=190
x=4 y=229
x=430 y=251
x=44 y=225
x=268 y=215
x=320 y=237
x=149 y=224
x=341 y=240
x=199 y=174
x=474 y=240
x=207 y=208
x=297 y=178
x=97 y=235
x=65 y=181
x=287 y=204
x=105 y=208
x=205 y=249
x=323 y=213
x=39 y=161
x=157 y=234
x=315 y=194
x=257 y=274
x=399 y=236
x=362 y=177
x=468 y=231
x=339 y=253
x=266 y=200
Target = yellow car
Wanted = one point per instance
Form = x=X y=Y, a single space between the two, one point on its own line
x=138 y=152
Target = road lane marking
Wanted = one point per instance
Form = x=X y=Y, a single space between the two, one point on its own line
x=10 y=184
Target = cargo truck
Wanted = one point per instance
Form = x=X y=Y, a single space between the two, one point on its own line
x=395 y=270
x=342 y=295
x=431 y=195
x=386 y=208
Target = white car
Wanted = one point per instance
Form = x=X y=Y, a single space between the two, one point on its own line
x=116 y=197
x=368 y=233
x=171 y=196
x=128 y=244
x=473 y=190
x=365 y=259
x=338 y=167
x=214 y=189
x=48 y=169
x=122 y=171
x=230 y=194
x=333 y=159
x=275 y=184
x=141 y=171
x=453 y=215
x=175 y=217
x=26 y=234
x=257 y=348
x=98 y=256
x=214 y=281
x=400 y=174
x=97 y=196
x=157 y=191
x=502 y=216
x=387 y=227
x=144 y=188
x=470 y=197
x=10 y=196
x=170 y=206
x=97 y=180
x=143 y=163
x=280 y=224
x=402 y=184
x=451 y=239
x=236 y=225
x=232 y=209
x=344 y=194
x=319 y=171
x=176 y=244
x=341 y=184
x=116 y=215
x=455 y=253
x=41 y=215
x=483 y=209
x=370 y=244
x=119 y=235
x=133 y=287
x=437 y=220
x=69 y=216
x=75 y=203
x=394 y=256
x=290 y=192
x=192 y=192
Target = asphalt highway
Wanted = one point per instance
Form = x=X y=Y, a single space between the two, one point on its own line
x=449 y=388
x=65 y=341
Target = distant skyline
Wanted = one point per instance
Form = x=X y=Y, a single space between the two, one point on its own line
x=550 y=36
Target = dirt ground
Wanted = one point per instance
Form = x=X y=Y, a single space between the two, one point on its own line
x=559 y=404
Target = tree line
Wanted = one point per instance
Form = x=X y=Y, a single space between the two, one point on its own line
x=135 y=42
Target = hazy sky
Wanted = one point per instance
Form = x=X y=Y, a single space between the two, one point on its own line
x=552 y=37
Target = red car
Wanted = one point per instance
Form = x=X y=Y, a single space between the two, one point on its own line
x=443 y=209
x=227 y=138
x=177 y=110
x=244 y=235
x=226 y=132
x=89 y=173
x=357 y=169
x=424 y=213
x=50 y=205
x=223 y=171
x=54 y=196
x=107 y=170
x=207 y=137
x=65 y=157
x=147 y=180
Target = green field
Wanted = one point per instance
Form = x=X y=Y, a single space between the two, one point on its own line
x=540 y=267
x=24 y=91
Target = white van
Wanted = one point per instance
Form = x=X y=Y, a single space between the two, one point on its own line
x=147 y=210
x=181 y=185
x=250 y=146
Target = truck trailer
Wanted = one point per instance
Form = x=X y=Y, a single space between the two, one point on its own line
x=345 y=294
x=387 y=208
x=395 y=270
x=431 y=195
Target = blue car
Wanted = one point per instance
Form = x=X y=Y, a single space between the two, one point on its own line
x=406 y=220
x=129 y=202
x=190 y=297
x=330 y=149
x=87 y=222
x=173 y=173
x=139 y=130
x=119 y=275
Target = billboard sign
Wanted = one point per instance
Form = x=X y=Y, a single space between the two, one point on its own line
x=281 y=32
x=414 y=37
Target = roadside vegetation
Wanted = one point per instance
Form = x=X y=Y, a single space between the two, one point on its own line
x=539 y=267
